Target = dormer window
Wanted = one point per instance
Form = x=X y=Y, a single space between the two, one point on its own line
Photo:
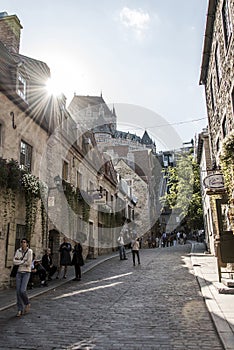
x=21 y=86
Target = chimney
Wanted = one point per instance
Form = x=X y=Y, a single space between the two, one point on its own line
x=10 y=28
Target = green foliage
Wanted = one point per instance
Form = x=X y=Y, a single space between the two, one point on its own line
x=184 y=191
x=227 y=164
x=75 y=200
x=10 y=174
x=13 y=180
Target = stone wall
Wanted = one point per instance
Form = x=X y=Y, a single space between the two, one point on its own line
x=222 y=92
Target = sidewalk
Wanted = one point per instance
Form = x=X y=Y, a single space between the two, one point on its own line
x=8 y=296
x=218 y=297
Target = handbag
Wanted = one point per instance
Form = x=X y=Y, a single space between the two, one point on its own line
x=14 y=271
x=15 y=267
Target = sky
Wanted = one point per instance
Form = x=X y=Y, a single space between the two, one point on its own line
x=141 y=53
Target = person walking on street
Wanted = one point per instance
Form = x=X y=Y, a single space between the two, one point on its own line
x=122 y=252
x=65 y=257
x=23 y=258
x=135 y=251
x=77 y=260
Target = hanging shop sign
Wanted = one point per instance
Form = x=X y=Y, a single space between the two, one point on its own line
x=214 y=181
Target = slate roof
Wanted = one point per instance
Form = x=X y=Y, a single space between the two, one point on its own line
x=38 y=104
x=127 y=136
x=81 y=104
x=94 y=102
x=146 y=140
x=94 y=112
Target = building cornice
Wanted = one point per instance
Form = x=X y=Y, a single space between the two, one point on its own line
x=208 y=40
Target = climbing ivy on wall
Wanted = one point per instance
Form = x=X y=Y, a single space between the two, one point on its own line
x=227 y=164
x=76 y=201
x=14 y=180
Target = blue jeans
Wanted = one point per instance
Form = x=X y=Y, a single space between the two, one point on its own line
x=22 y=279
x=122 y=253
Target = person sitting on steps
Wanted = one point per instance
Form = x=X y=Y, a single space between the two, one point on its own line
x=48 y=265
x=38 y=269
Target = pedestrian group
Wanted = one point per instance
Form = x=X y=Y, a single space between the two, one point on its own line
x=29 y=267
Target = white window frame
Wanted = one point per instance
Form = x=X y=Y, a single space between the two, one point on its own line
x=21 y=86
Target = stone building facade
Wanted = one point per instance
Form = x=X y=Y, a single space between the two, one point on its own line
x=217 y=76
x=217 y=73
x=58 y=166
x=142 y=223
x=138 y=152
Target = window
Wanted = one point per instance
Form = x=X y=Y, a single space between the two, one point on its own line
x=20 y=233
x=212 y=94
x=224 y=127
x=91 y=186
x=227 y=27
x=107 y=196
x=78 y=179
x=80 y=224
x=65 y=171
x=218 y=65
x=25 y=156
x=217 y=145
x=21 y=87
x=233 y=101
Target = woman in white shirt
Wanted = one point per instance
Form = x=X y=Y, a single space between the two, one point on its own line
x=23 y=258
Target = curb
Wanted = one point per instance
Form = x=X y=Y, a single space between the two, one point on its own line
x=208 y=292
x=61 y=282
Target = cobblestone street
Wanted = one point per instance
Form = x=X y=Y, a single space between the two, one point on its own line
x=156 y=305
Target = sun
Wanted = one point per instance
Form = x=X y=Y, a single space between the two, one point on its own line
x=53 y=86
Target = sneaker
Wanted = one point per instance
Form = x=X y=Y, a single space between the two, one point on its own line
x=64 y=276
x=19 y=313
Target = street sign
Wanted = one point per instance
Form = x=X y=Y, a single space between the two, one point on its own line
x=98 y=198
x=214 y=181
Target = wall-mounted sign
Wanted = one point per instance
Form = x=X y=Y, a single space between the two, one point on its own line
x=214 y=181
x=101 y=200
x=51 y=202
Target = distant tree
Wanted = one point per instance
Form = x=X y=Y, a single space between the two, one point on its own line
x=183 y=193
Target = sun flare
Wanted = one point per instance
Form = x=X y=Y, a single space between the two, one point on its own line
x=53 y=87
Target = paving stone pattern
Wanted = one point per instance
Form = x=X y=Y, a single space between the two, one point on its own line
x=156 y=305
